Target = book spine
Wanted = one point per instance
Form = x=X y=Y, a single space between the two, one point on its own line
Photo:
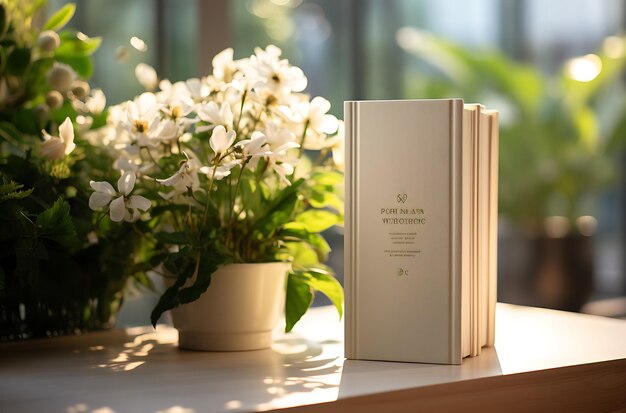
x=350 y=238
x=493 y=225
x=456 y=240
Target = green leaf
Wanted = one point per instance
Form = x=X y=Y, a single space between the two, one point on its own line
x=55 y=223
x=72 y=46
x=325 y=283
x=185 y=266
x=83 y=65
x=59 y=19
x=279 y=211
x=330 y=178
x=320 y=246
x=9 y=133
x=298 y=300
x=18 y=61
x=322 y=198
x=169 y=299
x=317 y=220
x=207 y=266
x=301 y=254
x=171 y=237
x=12 y=190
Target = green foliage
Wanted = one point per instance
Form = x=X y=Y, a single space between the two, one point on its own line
x=62 y=267
x=558 y=135
x=74 y=46
x=299 y=298
x=17 y=60
x=10 y=190
x=55 y=223
x=60 y=18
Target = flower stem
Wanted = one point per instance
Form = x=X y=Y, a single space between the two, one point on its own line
x=243 y=100
x=234 y=198
x=152 y=158
x=206 y=206
x=306 y=127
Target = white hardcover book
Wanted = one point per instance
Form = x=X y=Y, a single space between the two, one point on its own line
x=412 y=240
x=403 y=235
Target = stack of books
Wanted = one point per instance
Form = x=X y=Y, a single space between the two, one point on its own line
x=420 y=229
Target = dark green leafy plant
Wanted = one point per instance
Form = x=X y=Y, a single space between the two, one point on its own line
x=62 y=268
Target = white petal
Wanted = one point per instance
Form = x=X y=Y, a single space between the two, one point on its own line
x=102 y=186
x=98 y=200
x=219 y=139
x=146 y=75
x=66 y=131
x=147 y=102
x=319 y=105
x=328 y=124
x=117 y=209
x=126 y=183
x=171 y=181
x=53 y=148
x=139 y=202
x=46 y=135
x=131 y=217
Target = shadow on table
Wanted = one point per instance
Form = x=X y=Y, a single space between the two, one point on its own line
x=363 y=377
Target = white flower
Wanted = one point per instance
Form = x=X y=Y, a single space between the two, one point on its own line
x=198 y=88
x=184 y=179
x=279 y=139
x=254 y=147
x=96 y=102
x=318 y=122
x=56 y=147
x=337 y=145
x=274 y=75
x=224 y=66
x=145 y=125
x=125 y=206
x=146 y=76
x=221 y=140
x=283 y=169
x=216 y=115
x=83 y=123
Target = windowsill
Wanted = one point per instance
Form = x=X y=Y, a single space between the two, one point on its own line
x=139 y=369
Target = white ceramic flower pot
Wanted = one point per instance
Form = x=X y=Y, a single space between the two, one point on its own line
x=237 y=312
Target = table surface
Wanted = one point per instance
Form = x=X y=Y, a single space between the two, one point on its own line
x=139 y=369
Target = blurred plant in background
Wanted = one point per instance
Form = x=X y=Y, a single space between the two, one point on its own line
x=560 y=137
x=62 y=268
x=559 y=134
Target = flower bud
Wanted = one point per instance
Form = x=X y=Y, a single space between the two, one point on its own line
x=54 y=99
x=48 y=40
x=80 y=89
x=61 y=77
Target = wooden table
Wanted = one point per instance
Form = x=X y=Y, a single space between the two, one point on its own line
x=142 y=370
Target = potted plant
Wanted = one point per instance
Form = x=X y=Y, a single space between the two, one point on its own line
x=62 y=269
x=232 y=178
x=560 y=135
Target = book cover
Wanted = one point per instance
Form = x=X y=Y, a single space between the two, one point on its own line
x=403 y=236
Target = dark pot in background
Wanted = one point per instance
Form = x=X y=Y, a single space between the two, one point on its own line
x=550 y=268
